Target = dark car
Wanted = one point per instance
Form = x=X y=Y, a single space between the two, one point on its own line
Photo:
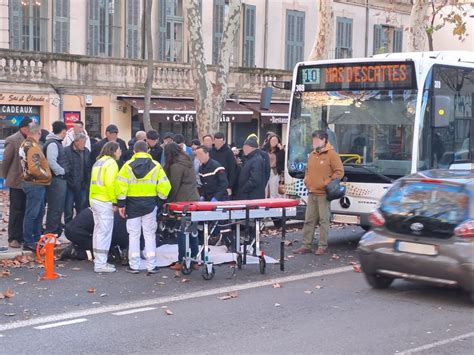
x=423 y=231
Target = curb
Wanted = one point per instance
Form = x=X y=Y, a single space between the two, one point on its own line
x=13 y=254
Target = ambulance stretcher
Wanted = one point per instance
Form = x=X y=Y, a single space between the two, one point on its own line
x=235 y=212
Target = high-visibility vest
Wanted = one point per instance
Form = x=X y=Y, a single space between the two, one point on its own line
x=154 y=183
x=103 y=177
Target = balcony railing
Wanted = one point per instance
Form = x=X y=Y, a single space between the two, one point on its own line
x=74 y=73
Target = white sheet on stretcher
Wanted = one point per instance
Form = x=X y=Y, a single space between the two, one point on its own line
x=168 y=254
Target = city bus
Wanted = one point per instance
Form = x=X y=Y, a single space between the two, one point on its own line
x=387 y=116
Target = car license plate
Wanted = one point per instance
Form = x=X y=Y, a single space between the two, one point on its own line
x=346 y=219
x=416 y=248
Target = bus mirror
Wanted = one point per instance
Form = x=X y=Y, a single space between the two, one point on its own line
x=442 y=111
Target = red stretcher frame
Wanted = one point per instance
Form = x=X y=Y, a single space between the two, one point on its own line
x=211 y=206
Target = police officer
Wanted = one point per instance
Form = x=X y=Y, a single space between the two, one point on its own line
x=102 y=199
x=141 y=184
x=212 y=175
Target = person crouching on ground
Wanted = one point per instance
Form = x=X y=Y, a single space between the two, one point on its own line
x=324 y=165
x=102 y=199
x=142 y=185
x=180 y=171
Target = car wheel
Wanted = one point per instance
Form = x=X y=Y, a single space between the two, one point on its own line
x=378 y=281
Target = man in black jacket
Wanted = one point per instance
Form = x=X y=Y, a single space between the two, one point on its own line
x=78 y=176
x=213 y=177
x=111 y=135
x=222 y=153
x=79 y=231
x=56 y=192
x=154 y=148
x=252 y=181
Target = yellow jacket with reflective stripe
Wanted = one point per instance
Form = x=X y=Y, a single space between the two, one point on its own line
x=104 y=173
x=141 y=182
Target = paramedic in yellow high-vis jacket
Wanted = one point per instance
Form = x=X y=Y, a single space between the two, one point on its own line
x=102 y=199
x=141 y=185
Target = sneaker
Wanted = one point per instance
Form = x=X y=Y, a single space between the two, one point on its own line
x=29 y=247
x=124 y=257
x=15 y=244
x=153 y=271
x=321 y=251
x=302 y=250
x=69 y=252
x=132 y=271
x=105 y=269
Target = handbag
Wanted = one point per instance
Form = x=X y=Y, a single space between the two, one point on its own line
x=334 y=190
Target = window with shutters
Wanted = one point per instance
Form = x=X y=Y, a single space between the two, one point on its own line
x=61 y=31
x=387 y=39
x=217 y=29
x=171 y=22
x=132 y=31
x=294 y=42
x=249 y=36
x=343 y=37
x=104 y=26
x=28 y=25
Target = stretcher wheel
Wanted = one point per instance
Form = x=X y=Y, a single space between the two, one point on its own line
x=206 y=275
x=185 y=270
x=262 y=264
x=239 y=261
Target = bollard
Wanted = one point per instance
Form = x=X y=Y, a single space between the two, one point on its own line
x=45 y=248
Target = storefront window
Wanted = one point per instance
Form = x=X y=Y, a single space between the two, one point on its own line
x=12 y=115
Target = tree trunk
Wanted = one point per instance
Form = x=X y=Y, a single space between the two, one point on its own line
x=150 y=66
x=209 y=98
x=323 y=43
x=418 y=35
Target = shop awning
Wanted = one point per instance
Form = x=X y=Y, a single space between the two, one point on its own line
x=277 y=112
x=184 y=110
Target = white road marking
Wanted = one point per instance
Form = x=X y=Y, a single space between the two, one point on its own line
x=60 y=324
x=436 y=344
x=169 y=299
x=131 y=311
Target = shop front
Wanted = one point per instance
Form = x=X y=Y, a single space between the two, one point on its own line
x=178 y=115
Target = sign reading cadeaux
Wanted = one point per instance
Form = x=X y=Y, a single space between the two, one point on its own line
x=12 y=110
x=357 y=76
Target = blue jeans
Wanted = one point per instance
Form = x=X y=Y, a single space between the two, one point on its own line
x=35 y=195
x=75 y=200
x=193 y=244
x=56 y=195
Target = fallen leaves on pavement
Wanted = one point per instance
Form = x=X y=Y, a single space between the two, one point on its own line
x=276 y=285
x=168 y=312
x=335 y=257
x=356 y=268
x=91 y=290
x=229 y=295
x=183 y=280
x=9 y=293
x=308 y=292
x=5 y=273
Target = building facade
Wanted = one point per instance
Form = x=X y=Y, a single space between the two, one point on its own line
x=85 y=59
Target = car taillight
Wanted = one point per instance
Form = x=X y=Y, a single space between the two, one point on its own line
x=465 y=229
x=376 y=219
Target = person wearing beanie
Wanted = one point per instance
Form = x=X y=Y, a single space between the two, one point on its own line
x=13 y=176
x=111 y=135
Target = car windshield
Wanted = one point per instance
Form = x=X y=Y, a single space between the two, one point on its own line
x=440 y=207
x=370 y=129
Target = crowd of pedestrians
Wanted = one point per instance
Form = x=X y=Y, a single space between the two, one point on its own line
x=85 y=187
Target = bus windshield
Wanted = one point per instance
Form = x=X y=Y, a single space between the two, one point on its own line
x=372 y=129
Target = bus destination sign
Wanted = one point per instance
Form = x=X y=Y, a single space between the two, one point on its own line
x=356 y=76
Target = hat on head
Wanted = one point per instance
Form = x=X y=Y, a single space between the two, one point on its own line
x=253 y=136
x=178 y=138
x=25 y=122
x=168 y=135
x=111 y=128
x=251 y=142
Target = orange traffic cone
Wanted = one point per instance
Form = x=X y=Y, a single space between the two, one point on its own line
x=45 y=248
